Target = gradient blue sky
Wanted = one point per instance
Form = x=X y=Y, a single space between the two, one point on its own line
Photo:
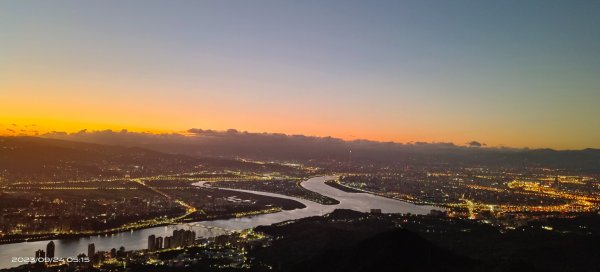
x=516 y=73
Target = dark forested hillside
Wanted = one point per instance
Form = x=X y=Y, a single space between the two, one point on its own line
x=34 y=159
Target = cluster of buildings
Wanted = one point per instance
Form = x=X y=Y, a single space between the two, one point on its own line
x=39 y=215
x=48 y=254
x=180 y=238
x=99 y=257
x=93 y=257
x=482 y=193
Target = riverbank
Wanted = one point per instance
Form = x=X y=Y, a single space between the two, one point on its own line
x=350 y=189
x=41 y=237
x=342 y=187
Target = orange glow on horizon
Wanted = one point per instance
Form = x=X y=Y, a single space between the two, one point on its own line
x=277 y=68
x=32 y=128
x=39 y=127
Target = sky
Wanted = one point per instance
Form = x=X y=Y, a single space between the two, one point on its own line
x=505 y=73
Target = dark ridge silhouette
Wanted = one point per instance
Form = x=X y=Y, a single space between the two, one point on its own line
x=396 y=250
x=32 y=158
x=373 y=243
x=273 y=146
x=24 y=158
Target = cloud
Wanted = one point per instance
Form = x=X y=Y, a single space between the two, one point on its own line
x=111 y=137
x=475 y=144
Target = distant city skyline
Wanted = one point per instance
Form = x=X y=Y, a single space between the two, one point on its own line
x=504 y=73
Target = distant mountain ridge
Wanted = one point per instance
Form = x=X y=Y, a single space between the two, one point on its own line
x=273 y=146
x=38 y=159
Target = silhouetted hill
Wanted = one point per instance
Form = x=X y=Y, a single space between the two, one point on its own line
x=352 y=241
x=35 y=159
x=396 y=250
x=346 y=240
x=274 y=146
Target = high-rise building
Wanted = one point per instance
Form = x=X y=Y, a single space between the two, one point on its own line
x=121 y=252
x=50 y=250
x=39 y=254
x=159 y=243
x=91 y=250
x=176 y=240
x=167 y=242
x=113 y=253
x=152 y=242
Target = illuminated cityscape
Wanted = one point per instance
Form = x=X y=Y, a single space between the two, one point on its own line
x=294 y=136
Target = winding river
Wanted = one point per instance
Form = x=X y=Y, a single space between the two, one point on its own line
x=137 y=239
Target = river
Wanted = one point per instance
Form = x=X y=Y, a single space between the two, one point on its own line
x=137 y=239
